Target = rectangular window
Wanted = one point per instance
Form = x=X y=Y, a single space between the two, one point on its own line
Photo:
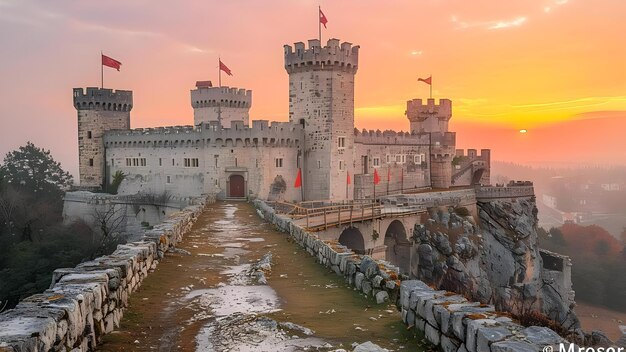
x=216 y=157
x=169 y=179
x=341 y=142
x=388 y=158
x=191 y=162
x=173 y=162
x=90 y=162
x=279 y=162
x=398 y=158
x=341 y=165
x=160 y=162
x=89 y=134
x=319 y=164
x=128 y=162
x=112 y=162
x=376 y=162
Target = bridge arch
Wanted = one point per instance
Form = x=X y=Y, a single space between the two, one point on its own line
x=398 y=246
x=477 y=175
x=353 y=239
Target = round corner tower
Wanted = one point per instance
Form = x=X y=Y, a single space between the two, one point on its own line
x=99 y=110
x=433 y=119
x=321 y=97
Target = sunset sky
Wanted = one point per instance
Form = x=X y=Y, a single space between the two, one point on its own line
x=554 y=67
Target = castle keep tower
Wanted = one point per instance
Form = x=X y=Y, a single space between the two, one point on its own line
x=321 y=97
x=433 y=119
x=99 y=110
x=222 y=104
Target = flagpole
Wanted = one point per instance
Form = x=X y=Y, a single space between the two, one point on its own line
x=319 y=23
x=219 y=71
x=431 y=86
x=101 y=72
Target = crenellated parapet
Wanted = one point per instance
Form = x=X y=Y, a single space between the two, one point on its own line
x=429 y=116
x=261 y=133
x=221 y=96
x=333 y=56
x=390 y=137
x=103 y=99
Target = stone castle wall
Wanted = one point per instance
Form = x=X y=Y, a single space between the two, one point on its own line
x=429 y=117
x=188 y=161
x=88 y=301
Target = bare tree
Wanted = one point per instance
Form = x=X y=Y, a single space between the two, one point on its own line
x=111 y=221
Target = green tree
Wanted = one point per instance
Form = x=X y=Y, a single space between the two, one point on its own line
x=33 y=170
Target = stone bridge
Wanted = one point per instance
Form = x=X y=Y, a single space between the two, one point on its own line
x=379 y=229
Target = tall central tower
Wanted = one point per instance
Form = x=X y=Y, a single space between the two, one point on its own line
x=321 y=97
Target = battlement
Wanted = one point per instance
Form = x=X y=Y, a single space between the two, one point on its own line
x=205 y=96
x=514 y=189
x=390 y=137
x=333 y=56
x=103 y=99
x=472 y=154
x=262 y=132
x=416 y=110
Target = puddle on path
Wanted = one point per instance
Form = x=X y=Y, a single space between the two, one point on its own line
x=206 y=302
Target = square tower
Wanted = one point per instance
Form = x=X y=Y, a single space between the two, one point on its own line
x=223 y=104
x=99 y=110
x=321 y=97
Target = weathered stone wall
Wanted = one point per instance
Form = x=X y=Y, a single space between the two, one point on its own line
x=88 y=301
x=456 y=324
x=375 y=278
x=447 y=319
x=223 y=104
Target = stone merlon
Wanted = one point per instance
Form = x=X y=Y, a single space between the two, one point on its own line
x=103 y=99
x=342 y=56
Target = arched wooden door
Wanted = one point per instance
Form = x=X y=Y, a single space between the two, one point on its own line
x=237 y=186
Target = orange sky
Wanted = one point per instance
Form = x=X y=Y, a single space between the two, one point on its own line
x=536 y=64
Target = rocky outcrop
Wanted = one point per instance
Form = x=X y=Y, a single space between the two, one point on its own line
x=494 y=259
x=88 y=301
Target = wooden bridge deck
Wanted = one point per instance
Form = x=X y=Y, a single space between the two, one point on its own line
x=322 y=217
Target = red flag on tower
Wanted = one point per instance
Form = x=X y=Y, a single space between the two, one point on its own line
x=225 y=68
x=348 y=181
x=298 y=183
x=323 y=19
x=426 y=80
x=110 y=62
x=376 y=177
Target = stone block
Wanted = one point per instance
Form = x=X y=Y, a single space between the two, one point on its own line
x=449 y=344
x=432 y=334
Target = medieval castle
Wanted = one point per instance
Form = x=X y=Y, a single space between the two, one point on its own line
x=225 y=154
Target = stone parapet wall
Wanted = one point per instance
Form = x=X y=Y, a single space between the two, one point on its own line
x=456 y=324
x=447 y=319
x=524 y=190
x=391 y=137
x=86 y=302
x=375 y=278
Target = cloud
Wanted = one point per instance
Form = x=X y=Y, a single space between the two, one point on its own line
x=554 y=4
x=491 y=25
x=506 y=24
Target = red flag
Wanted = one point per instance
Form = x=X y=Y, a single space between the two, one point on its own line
x=298 y=183
x=376 y=177
x=348 y=181
x=323 y=19
x=110 y=62
x=428 y=80
x=225 y=68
